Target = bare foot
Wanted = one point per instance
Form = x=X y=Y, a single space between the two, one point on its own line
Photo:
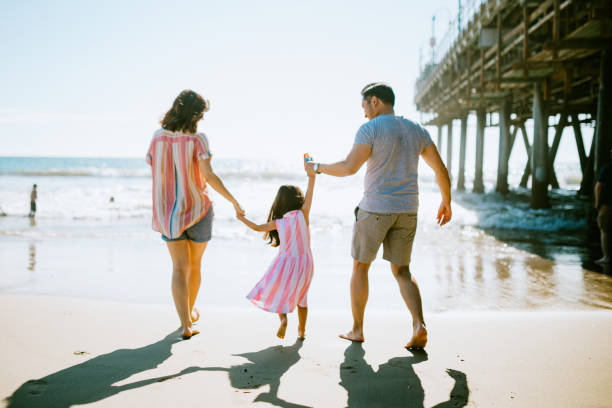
x=353 y=335
x=283 y=327
x=189 y=332
x=301 y=334
x=419 y=338
x=195 y=315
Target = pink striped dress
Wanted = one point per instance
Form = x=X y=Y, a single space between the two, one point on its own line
x=286 y=282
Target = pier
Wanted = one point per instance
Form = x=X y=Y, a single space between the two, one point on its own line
x=512 y=61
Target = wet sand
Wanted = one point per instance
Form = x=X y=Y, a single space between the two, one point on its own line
x=62 y=352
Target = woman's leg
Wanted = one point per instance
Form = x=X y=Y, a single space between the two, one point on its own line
x=196 y=250
x=179 y=251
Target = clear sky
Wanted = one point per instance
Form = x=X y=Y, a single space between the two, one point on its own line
x=83 y=78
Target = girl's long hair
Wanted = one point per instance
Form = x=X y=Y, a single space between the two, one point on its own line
x=188 y=108
x=287 y=199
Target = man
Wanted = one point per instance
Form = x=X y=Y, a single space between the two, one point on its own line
x=603 y=204
x=387 y=213
x=33 y=197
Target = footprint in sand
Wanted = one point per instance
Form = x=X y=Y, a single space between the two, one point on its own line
x=36 y=387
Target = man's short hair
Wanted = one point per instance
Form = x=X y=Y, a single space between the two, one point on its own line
x=380 y=90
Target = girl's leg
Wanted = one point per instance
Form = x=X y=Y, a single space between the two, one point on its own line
x=302 y=315
x=283 y=326
x=179 y=251
x=196 y=250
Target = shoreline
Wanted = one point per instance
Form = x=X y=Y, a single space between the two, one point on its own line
x=129 y=354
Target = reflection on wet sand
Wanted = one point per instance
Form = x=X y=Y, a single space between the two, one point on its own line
x=32 y=259
x=488 y=274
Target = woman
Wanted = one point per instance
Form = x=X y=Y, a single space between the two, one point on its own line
x=182 y=211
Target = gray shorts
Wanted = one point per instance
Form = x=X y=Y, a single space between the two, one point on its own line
x=198 y=232
x=394 y=231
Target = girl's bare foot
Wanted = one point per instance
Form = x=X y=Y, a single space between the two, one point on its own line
x=353 y=335
x=189 y=332
x=195 y=315
x=283 y=327
x=419 y=338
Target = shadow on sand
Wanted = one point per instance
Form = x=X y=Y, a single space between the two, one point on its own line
x=395 y=384
x=265 y=367
x=93 y=379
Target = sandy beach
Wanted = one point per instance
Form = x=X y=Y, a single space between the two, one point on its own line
x=60 y=352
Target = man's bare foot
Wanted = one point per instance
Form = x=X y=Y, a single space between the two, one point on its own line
x=353 y=335
x=283 y=327
x=195 y=315
x=301 y=334
x=419 y=338
x=189 y=332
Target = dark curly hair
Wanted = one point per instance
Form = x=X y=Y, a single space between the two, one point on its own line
x=287 y=199
x=188 y=108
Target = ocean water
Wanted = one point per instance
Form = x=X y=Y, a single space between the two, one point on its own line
x=497 y=253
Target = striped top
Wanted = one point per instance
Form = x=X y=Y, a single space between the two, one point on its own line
x=180 y=197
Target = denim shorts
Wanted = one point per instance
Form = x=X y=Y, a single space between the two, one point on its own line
x=198 y=232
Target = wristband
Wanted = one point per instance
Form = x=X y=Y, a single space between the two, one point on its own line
x=316 y=168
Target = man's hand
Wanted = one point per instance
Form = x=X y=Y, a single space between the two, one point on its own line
x=444 y=213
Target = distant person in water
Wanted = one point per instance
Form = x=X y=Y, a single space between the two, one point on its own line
x=285 y=284
x=387 y=214
x=33 y=197
x=181 y=168
x=603 y=204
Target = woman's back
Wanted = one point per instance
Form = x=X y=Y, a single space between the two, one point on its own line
x=180 y=198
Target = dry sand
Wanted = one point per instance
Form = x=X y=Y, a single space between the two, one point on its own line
x=60 y=352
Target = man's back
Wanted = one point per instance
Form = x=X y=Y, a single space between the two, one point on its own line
x=391 y=182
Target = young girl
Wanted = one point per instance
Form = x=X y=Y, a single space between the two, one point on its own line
x=286 y=282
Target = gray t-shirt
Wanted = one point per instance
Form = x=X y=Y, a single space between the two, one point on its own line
x=391 y=181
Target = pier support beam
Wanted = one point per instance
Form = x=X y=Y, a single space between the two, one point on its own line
x=552 y=177
x=462 y=143
x=539 y=157
x=440 y=138
x=527 y=171
x=449 y=147
x=480 y=128
x=603 y=127
x=504 y=147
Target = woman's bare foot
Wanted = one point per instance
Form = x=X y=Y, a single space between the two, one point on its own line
x=283 y=327
x=419 y=338
x=189 y=332
x=353 y=335
x=195 y=315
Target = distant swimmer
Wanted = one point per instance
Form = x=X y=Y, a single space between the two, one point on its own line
x=603 y=203
x=33 y=197
x=112 y=199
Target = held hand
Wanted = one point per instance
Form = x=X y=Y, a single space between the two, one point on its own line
x=309 y=167
x=444 y=213
x=239 y=210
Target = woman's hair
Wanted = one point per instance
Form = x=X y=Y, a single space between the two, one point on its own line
x=187 y=109
x=287 y=199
